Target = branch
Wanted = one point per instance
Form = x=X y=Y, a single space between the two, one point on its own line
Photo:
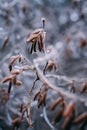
x=61 y=91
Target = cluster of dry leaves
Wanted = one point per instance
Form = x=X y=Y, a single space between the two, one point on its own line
x=66 y=110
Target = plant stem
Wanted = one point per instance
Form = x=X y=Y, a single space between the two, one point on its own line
x=61 y=91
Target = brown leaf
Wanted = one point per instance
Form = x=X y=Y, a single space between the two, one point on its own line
x=57 y=102
x=17 y=120
x=36 y=94
x=66 y=123
x=16 y=71
x=50 y=65
x=69 y=109
x=80 y=118
x=12 y=60
x=37 y=31
x=58 y=116
x=18 y=83
x=84 y=87
x=6 y=40
x=41 y=42
x=14 y=79
x=32 y=48
x=32 y=37
x=42 y=99
x=35 y=45
x=6 y=79
x=36 y=38
x=39 y=45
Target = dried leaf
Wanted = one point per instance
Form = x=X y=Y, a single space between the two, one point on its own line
x=36 y=94
x=37 y=31
x=14 y=79
x=32 y=48
x=42 y=99
x=39 y=45
x=36 y=38
x=58 y=116
x=80 y=118
x=34 y=44
x=67 y=123
x=18 y=83
x=16 y=71
x=6 y=40
x=12 y=60
x=6 y=79
x=50 y=65
x=41 y=42
x=84 y=87
x=32 y=37
x=57 y=102
x=69 y=109
x=17 y=120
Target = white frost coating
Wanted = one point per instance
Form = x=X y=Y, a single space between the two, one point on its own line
x=34 y=104
x=46 y=119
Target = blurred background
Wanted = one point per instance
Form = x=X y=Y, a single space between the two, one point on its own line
x=66 y=35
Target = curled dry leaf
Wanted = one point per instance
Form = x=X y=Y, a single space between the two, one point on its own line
x=34 y=35
x=57 y=102
x=16 y=71
x=36 y=94
x=17 y=120
x=50 y=65
x=35 y=38
x=69 y=117
x=7 y=78
x=42 y=99
x=6 y=40
x=69 y=109
x=58 y=116
x=41 y=42
x=80 y=118
x=12 y=60
x=18 y=83
x=14 y=79
x=67 y=122
x=84 y=87
x=37 y=31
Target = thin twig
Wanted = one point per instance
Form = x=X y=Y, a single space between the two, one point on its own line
x=57 y=89
x=65 y=78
